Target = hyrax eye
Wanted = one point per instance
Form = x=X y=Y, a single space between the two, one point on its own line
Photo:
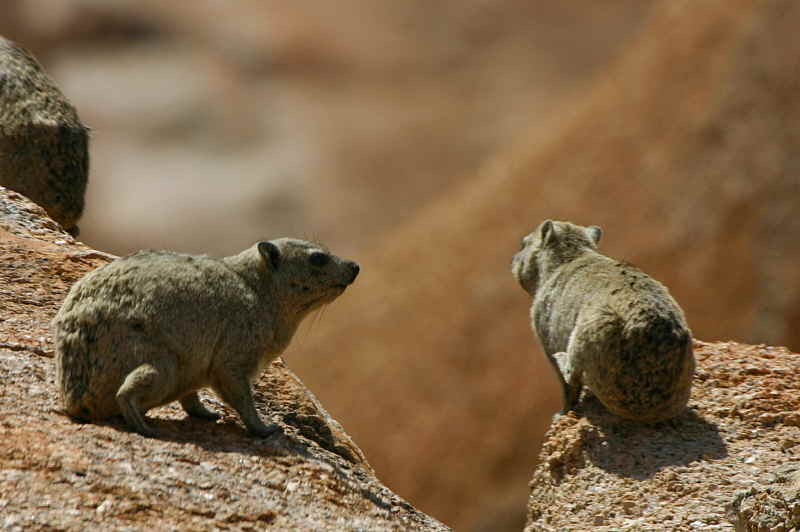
x=319 y=259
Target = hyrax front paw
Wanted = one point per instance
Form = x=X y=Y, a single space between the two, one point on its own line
x=192 y=405
x=265 y=431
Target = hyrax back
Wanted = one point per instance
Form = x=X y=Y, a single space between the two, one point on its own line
x=605 y=324
x=43 y=144
x=156 y=326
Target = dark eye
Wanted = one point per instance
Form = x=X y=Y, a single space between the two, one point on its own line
x=319 y=259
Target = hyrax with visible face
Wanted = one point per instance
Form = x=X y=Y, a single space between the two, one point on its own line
x=44 y=147
x=605 y=324
x=156 y=326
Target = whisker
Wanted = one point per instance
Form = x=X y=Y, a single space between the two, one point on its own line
x=321 y=313
x=314 y=320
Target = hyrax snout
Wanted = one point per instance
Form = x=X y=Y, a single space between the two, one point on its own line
x=605 y=324
x=156 y=326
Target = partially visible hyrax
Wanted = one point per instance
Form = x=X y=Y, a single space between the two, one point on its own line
x=156 y=326
x=605 y=324
x=43 y=144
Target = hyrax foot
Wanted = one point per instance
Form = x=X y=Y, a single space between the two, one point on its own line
x=142 y=428
x=570 y=381
x=135 y=418
x=264 y=431
x=235 y=390
x=143 y=386
x=194 y=407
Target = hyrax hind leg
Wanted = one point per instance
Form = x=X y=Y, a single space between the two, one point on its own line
x=192 y=405
x=570 y=378
x=234 y=388
x=143 y=388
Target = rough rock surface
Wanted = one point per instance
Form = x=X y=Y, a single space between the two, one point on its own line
x=726 y=458
x=774 y=508
x=57 y=474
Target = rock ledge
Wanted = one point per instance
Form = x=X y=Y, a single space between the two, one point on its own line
x=720 y=463
x=57 y=474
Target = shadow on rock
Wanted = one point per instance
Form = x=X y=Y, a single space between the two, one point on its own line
x=639 y=451
x=226 y=436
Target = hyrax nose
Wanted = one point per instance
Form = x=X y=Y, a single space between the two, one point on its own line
x=354 y=269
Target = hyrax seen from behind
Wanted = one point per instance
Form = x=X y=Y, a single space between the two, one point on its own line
x=156 y=326
x=605 y=324
x=44 y=147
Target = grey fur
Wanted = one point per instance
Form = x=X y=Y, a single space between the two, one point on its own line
x=156 y=326
x=43 y=144
x=605 y=324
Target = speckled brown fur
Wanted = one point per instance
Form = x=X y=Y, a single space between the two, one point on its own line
x=605 y=324
x=156 y=326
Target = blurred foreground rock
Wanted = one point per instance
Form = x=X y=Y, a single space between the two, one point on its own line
x=44 y=147
x=728 y=453
x=57 y=474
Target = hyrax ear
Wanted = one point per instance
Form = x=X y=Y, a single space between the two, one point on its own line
x=595 y=233
x=271 y=254
x=547 y=231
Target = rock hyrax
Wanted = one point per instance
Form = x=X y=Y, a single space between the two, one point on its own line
x=605 y=324
x=43 y=144
x=156 y=326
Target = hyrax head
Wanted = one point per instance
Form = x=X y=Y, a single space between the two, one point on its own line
x=307 y=274
x=552 y=243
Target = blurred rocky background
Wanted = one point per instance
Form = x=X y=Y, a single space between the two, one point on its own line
x=424 y=139
x=217 y=123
